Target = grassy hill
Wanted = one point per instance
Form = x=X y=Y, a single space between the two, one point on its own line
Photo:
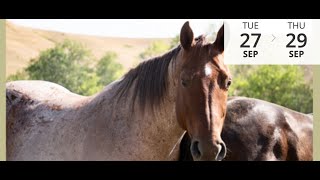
x=23 y=43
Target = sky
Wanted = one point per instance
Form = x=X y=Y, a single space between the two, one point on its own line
x=130 y=28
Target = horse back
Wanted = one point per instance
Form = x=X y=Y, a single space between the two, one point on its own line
x=260 y=130
x=33 y=109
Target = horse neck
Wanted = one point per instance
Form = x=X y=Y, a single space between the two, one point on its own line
x=165 y=121
x=151 y=133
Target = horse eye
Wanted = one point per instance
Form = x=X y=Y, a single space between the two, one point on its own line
x=228 y=83
x=184 y=83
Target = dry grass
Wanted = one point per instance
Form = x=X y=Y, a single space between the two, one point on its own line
x=23 y=43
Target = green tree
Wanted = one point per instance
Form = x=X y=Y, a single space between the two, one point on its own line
x=90 y=83
x=155 y=49
x=67 y=64
x=175 y=41
x=20 y=75
x=108 y=69
x=283 y=85
x=70 y=64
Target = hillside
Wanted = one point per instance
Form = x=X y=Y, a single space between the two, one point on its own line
x=23 y=43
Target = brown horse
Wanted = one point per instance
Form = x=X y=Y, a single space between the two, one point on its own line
x=257 y=130
x=142 y=116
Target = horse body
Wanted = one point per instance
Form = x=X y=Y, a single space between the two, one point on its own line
x=47 y=122
x=135 y=118
x=257 y=130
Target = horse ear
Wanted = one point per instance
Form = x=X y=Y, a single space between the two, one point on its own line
x=219 y=43
x=186 y=36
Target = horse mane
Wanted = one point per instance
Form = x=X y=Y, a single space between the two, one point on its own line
x=151 y=77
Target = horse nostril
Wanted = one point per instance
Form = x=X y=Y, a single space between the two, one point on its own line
x=196 y=154
x=221 y=151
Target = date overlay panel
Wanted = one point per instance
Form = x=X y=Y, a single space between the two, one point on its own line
x=272 y=41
